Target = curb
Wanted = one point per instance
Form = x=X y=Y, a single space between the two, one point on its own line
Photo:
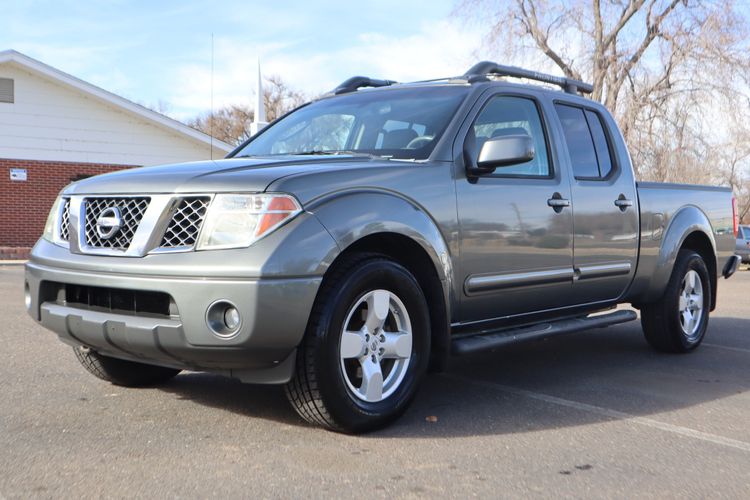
x=12 y=262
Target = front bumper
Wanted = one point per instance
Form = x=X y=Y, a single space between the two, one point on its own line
x=274 y=317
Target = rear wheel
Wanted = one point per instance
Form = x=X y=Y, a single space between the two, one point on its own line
x=366 y=347
x=678 y=321
x=121 y=372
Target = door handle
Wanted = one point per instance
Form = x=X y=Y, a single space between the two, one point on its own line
x=557 y=202
x=623 y=203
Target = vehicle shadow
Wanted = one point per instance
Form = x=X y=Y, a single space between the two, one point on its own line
x=609 y=368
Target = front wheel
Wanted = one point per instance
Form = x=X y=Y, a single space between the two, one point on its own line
x=366 y=347
x=121 y=372
x=678 y=321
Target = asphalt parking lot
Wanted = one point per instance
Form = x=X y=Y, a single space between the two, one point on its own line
x=594 y=414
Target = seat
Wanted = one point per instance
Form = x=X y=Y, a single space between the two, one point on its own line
x=398 y=139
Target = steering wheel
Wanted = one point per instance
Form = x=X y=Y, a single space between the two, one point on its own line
x=419 y=142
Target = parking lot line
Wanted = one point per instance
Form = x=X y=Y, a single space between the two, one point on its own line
x=728 y=348
x=607 y=412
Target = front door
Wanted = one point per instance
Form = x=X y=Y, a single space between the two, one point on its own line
x=516 y=250
x=605 y=205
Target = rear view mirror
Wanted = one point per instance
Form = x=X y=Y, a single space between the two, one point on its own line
x=505 y=151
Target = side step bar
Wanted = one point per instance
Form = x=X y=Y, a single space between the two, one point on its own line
x=493 y=340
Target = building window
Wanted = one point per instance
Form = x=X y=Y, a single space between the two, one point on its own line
x=6 y=90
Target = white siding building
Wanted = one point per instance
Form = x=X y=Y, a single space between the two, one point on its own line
x=55 y=128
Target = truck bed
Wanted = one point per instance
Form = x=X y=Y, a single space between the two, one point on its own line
x=665 y=204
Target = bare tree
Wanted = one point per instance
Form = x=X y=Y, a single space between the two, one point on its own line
x=279 y=98
x=669 y=70
x=231 y=124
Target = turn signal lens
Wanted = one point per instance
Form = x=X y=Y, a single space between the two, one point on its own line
x=279 y=209
x=735 y=218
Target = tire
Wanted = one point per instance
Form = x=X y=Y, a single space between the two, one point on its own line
x=121 y=372
x=352 y=337
x=665 y=322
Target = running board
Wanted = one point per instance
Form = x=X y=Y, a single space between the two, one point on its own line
x=493 y=340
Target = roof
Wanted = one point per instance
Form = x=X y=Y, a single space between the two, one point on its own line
x=89 y=89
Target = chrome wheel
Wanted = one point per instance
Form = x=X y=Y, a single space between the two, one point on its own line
x=691 y=305
x=376 y=345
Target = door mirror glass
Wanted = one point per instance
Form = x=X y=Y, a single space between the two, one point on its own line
x=505 y=151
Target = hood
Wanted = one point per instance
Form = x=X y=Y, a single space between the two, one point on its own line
x=214 y=176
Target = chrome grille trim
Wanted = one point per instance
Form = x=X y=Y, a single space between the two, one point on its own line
x=132 y=210
x=185 y=223
x=165 y=214
x=65 y=220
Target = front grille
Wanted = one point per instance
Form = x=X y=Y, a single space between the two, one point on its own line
x=131 y=211
x=65 y=221
x=114 y=300
x=186 y=222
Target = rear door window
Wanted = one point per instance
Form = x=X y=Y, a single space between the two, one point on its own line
x=587 y=142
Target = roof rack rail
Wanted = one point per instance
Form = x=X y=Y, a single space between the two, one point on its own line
x=479 y=71
x=358 y=82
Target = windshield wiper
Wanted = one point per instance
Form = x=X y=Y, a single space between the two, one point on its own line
x=313 y=152
x=333 y=152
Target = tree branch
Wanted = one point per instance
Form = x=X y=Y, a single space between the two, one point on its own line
x=625 y=16
x=530 y=22
x=653 y=29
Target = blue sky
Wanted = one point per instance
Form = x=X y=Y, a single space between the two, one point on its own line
x=161 y=50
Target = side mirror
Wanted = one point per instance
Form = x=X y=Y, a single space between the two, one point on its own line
x=503 y=151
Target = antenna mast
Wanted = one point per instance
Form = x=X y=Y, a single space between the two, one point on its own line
x=211 y=116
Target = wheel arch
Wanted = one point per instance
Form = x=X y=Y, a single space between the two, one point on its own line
x=400 y=229
x=688 y=229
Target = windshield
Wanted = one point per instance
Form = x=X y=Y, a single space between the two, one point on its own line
x=393 y=123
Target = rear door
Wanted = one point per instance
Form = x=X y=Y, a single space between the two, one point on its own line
x=605 y=205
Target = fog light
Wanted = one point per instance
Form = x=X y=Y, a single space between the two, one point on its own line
x=27 y=296
x=223 y=319
x=231 y=318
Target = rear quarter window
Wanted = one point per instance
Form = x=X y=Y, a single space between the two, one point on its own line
x=601 y=146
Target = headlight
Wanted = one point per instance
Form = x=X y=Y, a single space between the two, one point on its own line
x=239 y=220
x=52 y=219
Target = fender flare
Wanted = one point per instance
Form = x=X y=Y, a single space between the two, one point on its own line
x=688 y=220
x=353 y=215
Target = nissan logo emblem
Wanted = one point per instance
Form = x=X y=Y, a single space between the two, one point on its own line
x=108 y=222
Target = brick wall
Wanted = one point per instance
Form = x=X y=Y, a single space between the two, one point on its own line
x=24 y=205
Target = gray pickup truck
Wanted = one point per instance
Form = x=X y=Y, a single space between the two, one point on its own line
x=367 y=236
